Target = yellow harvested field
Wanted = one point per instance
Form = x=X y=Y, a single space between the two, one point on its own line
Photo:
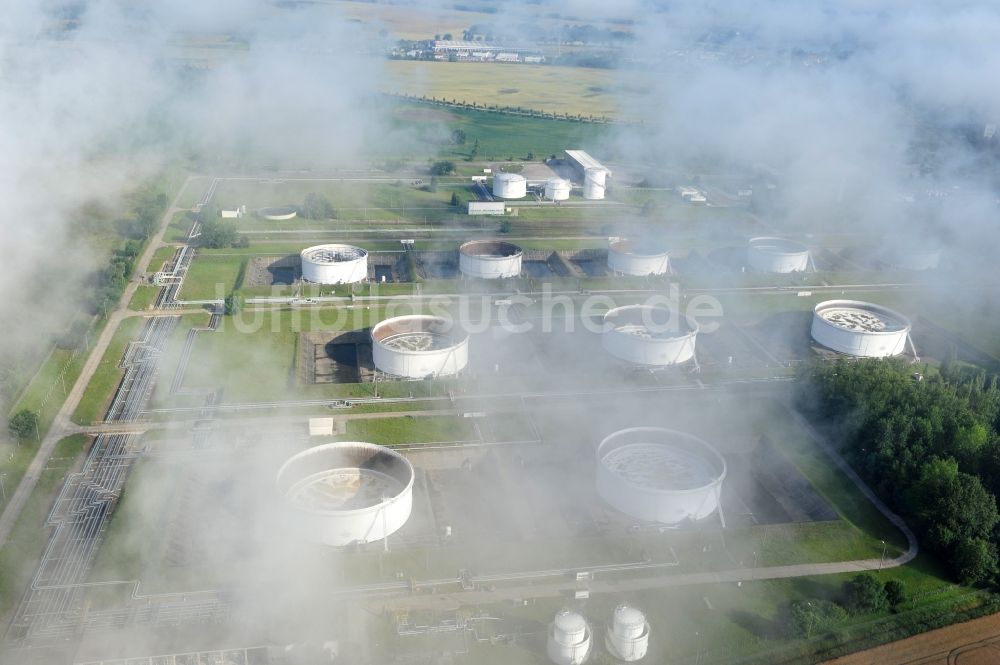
x=574 y=90
x=418 y=21
x=410 y=22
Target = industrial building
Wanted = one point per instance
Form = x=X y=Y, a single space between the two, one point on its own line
x=660 y=475
x=334 y=264
x=627 y=636
x=860 y=329
x=490 y=259
x=233 y=213
x=460 y=49
x=418 y=346
x=487 y=207
x=650 y=336
x=777 y=255
x=349 y=492
x=590 y=172
x=637 y=258
x=510 y=186
x=569 y=639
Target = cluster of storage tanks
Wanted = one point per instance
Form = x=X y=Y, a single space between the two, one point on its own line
x=570 y=639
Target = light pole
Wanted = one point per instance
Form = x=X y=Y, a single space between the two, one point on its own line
x=882 y=559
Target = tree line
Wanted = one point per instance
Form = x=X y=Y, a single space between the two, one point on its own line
x=507 y=110
x=927 y=446
x=111 y=280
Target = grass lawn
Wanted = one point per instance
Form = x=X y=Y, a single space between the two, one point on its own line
x=211 y=277
x=500 y=136
x=19 y=557
x=178 y=229
x=143 y=298
x=108 y=374
x=410 y=429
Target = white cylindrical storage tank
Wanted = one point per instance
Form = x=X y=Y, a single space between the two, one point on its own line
x=594 y=182
x=627 y=637
x=278 y=214
x=489 y=259
x=645 y=335
x=659 y=475
x=349 y=492
x=638 y=258
x=557 y=189
x=860 y=329
x=569 y=639
x=510 y=186
x=780 y=255
x=418 y=346
x=334 y=264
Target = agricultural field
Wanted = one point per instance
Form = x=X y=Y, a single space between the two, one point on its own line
x=572 y=90
x=417 y=22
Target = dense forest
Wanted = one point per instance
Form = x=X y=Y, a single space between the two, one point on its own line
x=927 y=446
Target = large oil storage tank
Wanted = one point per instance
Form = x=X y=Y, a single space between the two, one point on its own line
x=594 y=182
x=646 y=335
x=766 y=254
x=334 y=264
x=557 y=189
x=349 y=492
x=860 y=329
x=510 y=186
x=489 y=259
x=638 y=258
x=569 y=639
x=627 y=636
x=419 y=345
x=660 y=475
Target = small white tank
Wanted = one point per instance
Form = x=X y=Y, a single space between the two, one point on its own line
x=627 y=637
x=557 y=189
x=569 y=639
x=594 y=183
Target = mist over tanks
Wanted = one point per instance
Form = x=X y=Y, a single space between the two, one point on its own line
x=839 y=133
x=89 y=109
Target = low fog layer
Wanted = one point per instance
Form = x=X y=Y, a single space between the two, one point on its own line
x=869 y=117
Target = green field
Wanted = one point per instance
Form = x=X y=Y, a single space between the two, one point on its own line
x=210 y=277
x=500 y=136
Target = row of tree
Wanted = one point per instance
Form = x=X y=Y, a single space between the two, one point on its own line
x=507 y=110
x=929 y=448
x=110 y=282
